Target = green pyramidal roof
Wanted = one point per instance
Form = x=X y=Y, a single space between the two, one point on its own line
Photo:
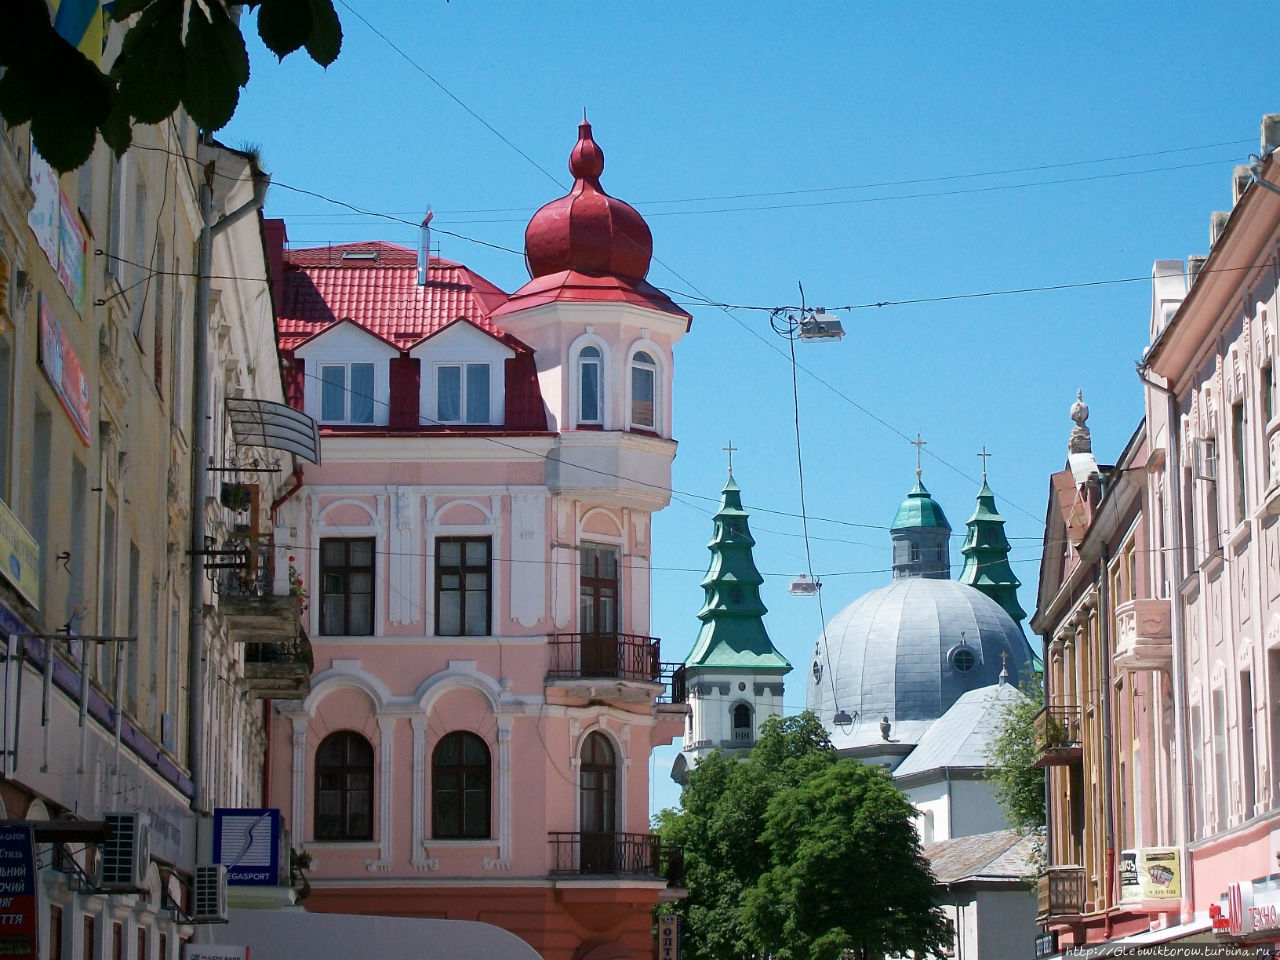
x=986 y=556
x=920 y=510
x=733 y=632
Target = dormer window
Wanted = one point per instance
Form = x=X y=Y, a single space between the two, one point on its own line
x=462 y=393
x=644 y=377
x=590 y=402
x=346 y=393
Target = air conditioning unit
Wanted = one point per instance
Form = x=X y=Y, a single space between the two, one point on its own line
x=122 y=866
x=210 y=895
x=1206 y=459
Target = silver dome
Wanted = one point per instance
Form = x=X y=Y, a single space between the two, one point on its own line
x=908 y=651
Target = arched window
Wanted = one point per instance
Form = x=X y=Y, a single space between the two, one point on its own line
x=644 y=382
x=344 y=788
x=590 y=396
x=597 y=804
x=460 y=788
x=742 y=723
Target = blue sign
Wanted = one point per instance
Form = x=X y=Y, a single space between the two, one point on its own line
x=19 y=929
x=247 y=843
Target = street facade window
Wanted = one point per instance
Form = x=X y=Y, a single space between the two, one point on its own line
x=463 y=584
x=346 y=578
x=590 y=384
x=644 y=380
x=462 y=393
x=344 y=788
x=460 y=786
x=346 y=392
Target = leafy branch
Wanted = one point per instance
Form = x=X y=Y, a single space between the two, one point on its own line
x=188 y=53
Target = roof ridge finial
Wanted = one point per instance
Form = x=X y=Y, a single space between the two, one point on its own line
x=1080 y=441
x=730 y=449
x=918 y=443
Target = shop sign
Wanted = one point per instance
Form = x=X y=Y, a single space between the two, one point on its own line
x=1247 y=910
x=214 y=951
x=46 y=215
x=62 y=367
x=71 y=254
x=19 y=556
x=1151 y=873
x=1047 y=944
x=247 y=843
x=668 y=937
x=19 y=922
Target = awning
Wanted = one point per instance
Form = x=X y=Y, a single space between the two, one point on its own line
x=262 y=423
x=338 y=936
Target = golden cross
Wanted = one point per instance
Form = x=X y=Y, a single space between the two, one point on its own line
x=918 y=443
x=729 y=449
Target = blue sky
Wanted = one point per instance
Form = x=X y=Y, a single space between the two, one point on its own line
x=785 y=114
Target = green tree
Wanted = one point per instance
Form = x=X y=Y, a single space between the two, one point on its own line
x=736 y=858
x=175 y=52
x=848 y=875
x=1012 y=755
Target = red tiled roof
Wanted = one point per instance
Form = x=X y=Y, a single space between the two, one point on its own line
x=380 y=293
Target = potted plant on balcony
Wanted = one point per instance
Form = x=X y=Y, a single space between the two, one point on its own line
x=235 y=497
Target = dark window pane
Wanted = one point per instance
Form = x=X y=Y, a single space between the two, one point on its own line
x=449 y=394
x=333 y=393
x=344 y=788
x=477 y=393
x=362 y=393
x=461 y=794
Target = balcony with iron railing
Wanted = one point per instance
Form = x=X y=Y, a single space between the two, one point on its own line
x=1060 y=894
x=263 y=611
x=616 y=854
x=673 y=675
x=619 y=667
x=1058 y=737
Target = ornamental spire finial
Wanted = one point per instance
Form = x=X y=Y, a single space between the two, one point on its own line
x=984 y=455
x=730 y=449
x=918 y=443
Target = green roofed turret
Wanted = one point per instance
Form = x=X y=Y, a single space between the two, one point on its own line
x=986 y=555
x=733 y=632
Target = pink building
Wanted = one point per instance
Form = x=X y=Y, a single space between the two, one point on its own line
x=475 y=548
x=1160 y=609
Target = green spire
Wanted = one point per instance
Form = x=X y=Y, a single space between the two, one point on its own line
x=733 y=633
x=986 y=556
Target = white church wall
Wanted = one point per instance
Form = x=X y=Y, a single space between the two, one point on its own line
x=932 y=811
x=974 y=808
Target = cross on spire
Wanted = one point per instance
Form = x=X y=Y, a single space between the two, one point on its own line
x=918 y=443
x=730 y=449
x=984 y=455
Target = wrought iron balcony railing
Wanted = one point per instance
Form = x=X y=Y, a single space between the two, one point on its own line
x=627 y=854
x=1060 y=894
x=278 y=670
x=1058 y=736
x=609 y=656
x=672 y=674
x=257 y=605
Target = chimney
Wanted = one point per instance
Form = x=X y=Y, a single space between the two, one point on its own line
x=424 y=248
x=1240 y=179
x=1217 y=223
x=1270 y=132
x=276 y=237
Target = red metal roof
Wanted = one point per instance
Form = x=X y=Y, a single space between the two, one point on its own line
x=376 y=285
x=569 y=286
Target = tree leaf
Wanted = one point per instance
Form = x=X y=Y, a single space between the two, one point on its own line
x=324 y=43
x=284 y=25
x=150 y=66
x=116 y=130
x=28 y=34
x=20 y=95
x=217 y=67
x=124 y=9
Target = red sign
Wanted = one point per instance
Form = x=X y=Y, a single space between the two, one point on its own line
x=63 y=369
x=19 y=921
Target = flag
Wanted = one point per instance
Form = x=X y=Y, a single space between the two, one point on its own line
x=80 y=23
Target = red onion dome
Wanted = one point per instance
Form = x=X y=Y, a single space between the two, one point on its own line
x=588 y=230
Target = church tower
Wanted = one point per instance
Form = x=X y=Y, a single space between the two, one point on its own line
x=734 y=673
x=986 y=555
x=921 y=537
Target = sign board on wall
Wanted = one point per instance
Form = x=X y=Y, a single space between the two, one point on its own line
x=62 y=366
x=71 y=253
x=247 y=843
x=19 y=920
x=668 y=937
x=19 y=556
x=214 y=951
x=1151 y=873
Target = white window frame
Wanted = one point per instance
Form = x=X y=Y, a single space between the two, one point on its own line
x=574 y=400
x=463 y=367
x=346 y=391
x=658 y=367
